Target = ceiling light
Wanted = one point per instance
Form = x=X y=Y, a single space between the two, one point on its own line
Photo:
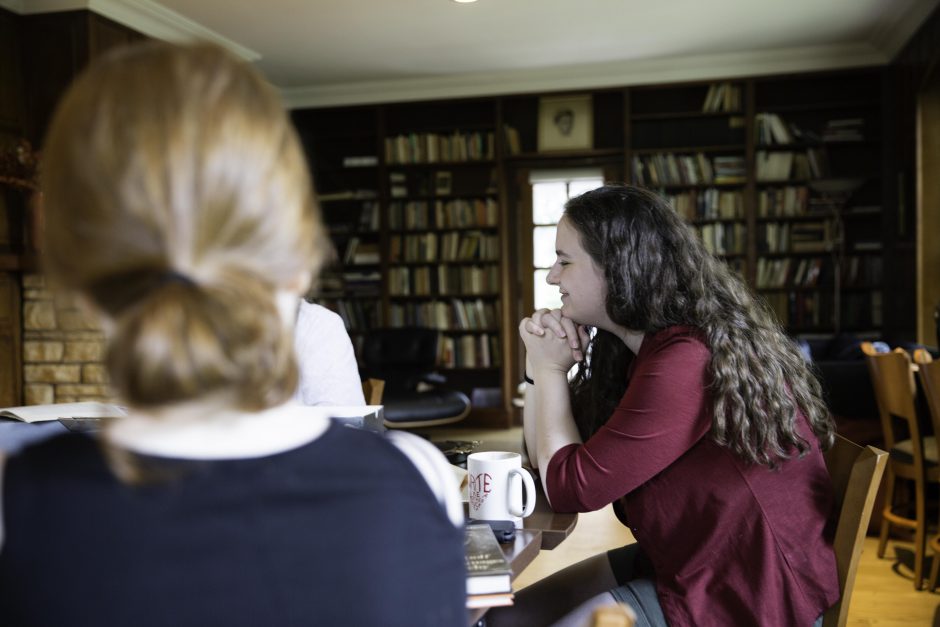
x=464 y=1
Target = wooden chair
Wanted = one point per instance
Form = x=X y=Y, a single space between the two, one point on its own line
x=912 y=456
x=373 y=389
x=856 y=474
x=929 y=374
x=619 y=615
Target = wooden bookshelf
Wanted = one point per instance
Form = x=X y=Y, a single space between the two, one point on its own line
x=749 y=162
x=826 y=130
x=688 y=142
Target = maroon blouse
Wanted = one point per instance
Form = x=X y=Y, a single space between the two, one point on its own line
x=732 y=543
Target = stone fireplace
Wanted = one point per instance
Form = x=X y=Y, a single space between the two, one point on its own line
x=63 y=349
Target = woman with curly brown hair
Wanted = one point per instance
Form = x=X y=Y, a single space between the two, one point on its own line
x=691 y=412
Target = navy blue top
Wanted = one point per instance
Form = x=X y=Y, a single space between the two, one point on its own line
x=340 y=531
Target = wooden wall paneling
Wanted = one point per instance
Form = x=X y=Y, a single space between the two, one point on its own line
x=11 y=342
x=11 y=85
x=12 y=205
x=903 y=82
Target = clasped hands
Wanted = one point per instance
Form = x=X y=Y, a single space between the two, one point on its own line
x=558 y=349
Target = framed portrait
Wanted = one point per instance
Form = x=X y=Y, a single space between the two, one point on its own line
x=566 y=123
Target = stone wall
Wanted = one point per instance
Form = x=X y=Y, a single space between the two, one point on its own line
x=63 y=349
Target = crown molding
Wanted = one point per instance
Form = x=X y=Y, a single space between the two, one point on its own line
x=589 y=76
x=144 y=16
x=898 y=27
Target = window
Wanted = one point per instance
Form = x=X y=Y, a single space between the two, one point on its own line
x=550 y=190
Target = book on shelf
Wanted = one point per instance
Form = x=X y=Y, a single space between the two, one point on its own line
x=348 y=194
x=844 y=130
x=488 y=570
x=73 y=411
x=489 y=600
x=786 y=201
x=771 y=129
x=810 y=237
x=360 y=161
x=774 y=166
x=369 y=218
x=361 y=253
x=443 y=183
x=513 y=143
x=720 y=97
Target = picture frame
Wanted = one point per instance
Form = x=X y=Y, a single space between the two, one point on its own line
x=566 y=123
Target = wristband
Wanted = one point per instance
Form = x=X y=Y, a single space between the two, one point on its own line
x=525 y=375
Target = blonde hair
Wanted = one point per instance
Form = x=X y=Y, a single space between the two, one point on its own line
x=178 y=202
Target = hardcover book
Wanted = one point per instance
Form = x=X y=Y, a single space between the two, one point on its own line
x=488 y=570
x=42 y=413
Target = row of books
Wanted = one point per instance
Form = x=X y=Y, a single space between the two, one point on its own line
x=816 y=309
x=724 y=238
x=443 y=280
x=450 y=214
x=454 y=314
x=802 y=309
x=790 y=272
x=667 y=168
x=437 y=148
x=452 y=246
x=348 y=194
x=772 y=129
x=480 y=350
x=861 y=271
x=359 y=252
x=787 y=165
x=362 y=282
x=795 y=237
x=724 y=96
x=787 y=201
x=708 y=204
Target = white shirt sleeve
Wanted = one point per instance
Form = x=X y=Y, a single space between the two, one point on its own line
x=329 y=374
x=435 y=469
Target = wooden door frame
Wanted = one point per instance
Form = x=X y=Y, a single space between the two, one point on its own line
x=928 y=205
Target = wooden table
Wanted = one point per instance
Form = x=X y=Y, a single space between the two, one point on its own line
x=520 y=553
x=555 y=527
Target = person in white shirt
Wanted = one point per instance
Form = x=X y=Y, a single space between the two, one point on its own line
x=329 y=374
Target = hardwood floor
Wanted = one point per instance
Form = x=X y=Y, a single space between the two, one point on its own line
x=884 y=594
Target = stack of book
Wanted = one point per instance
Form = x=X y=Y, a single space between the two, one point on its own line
x=844 y=130
x=489 y=575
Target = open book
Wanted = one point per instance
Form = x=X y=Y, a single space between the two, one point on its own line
x=75 y=411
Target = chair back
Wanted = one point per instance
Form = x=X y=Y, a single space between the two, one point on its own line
x=402 y=357
x=856 y=473
x=893 y=380
x=929 y=373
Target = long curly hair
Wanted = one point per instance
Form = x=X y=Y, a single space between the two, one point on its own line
x=658 y=274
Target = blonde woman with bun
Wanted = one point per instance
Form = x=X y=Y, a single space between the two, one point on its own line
x=179 y=209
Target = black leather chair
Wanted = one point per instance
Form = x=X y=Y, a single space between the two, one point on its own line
x=405 y=358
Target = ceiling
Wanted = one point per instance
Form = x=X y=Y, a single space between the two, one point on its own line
x=325 y=52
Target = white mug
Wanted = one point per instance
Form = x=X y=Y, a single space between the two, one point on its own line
x=494 y=487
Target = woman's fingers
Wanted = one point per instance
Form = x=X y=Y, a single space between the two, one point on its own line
x=583 y=339
x=528 y=325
